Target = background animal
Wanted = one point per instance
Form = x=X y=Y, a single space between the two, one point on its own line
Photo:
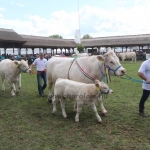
x=127 y=55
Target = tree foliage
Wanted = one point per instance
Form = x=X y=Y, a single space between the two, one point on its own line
x=56 y=36
x=87 y=36
x=80 y=48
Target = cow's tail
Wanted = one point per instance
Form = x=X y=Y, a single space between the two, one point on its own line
x=49 y=80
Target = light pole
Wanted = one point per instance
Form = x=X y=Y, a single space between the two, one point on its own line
x=79 y=23
x=79 y=14
x=77 y=32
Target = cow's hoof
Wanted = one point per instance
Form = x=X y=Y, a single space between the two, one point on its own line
x=100 y=122
x=49 y=101
x=17 y=93
x=104 y=114
x=65 y=116
x=74 y=110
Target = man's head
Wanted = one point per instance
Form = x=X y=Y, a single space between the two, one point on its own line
x=41 y=55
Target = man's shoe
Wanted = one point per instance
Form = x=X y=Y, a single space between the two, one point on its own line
x=143 y=114
x=42 y=94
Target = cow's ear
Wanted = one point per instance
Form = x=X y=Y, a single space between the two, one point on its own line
x=16 y=63
x=100 y=58
x=97 y=85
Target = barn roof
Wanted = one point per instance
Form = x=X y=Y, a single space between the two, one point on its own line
x=9 y=35
x=9 y=38
x=128 y=40
x=47 y=42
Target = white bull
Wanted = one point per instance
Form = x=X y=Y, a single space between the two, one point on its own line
x=83 y=69
x=127 y=55
x=81 y=93
x=11 y=71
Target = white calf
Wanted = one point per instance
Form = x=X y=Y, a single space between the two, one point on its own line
x=82 y=93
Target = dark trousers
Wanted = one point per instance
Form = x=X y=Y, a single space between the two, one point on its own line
x=41 y=75
x=144 y=97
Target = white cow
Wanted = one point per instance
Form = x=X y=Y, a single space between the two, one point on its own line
x=81 y=93
x=11 y=71
x=127 y=55
x=83 y=69
x=80 y=55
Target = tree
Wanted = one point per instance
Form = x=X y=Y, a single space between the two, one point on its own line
x=87 y=36
x=80 y=48
x=56 y=36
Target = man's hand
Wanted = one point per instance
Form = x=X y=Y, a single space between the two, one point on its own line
x=31 y=72
x=142 y=76
x=148 y=80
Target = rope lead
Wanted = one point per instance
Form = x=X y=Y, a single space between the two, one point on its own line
x=135 y=80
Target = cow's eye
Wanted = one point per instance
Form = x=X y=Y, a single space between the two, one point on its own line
x=111 y=62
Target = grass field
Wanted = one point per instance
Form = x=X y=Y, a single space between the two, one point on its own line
x=27 y=122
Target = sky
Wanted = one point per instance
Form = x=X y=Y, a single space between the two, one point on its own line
x=98 y=18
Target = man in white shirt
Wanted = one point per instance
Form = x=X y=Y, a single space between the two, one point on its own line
x=144 y=73
x=41 y=64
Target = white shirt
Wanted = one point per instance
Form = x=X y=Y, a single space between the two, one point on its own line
x=145 y=69
x=40 y=64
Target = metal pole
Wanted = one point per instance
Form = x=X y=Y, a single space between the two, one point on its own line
x=78 y=14
x=79 y=21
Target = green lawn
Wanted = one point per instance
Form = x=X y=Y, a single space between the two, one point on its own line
x=27 y=122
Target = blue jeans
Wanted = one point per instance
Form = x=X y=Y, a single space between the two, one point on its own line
x=41 y=75
x=144 y=97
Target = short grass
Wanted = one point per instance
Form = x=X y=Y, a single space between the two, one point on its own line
x=27 y=123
